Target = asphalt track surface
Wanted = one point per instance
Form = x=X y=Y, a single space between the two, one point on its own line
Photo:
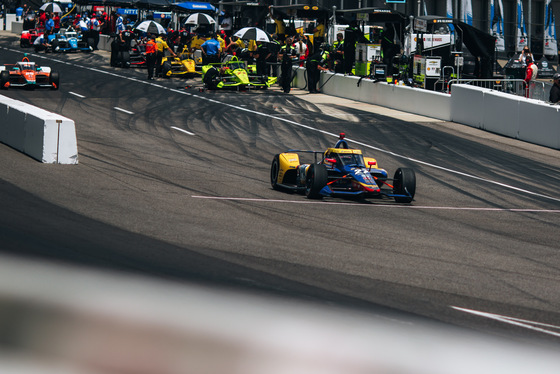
x=174 y=183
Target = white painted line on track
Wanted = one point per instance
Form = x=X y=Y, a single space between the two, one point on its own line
x=294 y=123
x=75 y=94
x=531 y=325
x=185 y=131
x=381 y=205
x=123 y=110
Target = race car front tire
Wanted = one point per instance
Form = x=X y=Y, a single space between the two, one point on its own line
x=54 y=79
x=274 y=170
x=166 y=68
x=404 y=183
x=4 y=78
x=315 y=180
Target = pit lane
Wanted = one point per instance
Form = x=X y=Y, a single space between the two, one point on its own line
x=280 y=118
x=136 y=180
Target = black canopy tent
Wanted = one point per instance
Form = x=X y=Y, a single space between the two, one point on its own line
x=305 y=12
x=119 y=3
x=153 y=4
x=480 y=44
x=376 y=15
x=393 y=23
x=301 y=11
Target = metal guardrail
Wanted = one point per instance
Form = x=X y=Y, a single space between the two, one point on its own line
x=535 y=90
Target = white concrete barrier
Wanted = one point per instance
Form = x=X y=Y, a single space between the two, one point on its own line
x=17 y=27
x=465 y=100
x=501 y=113
x=408 y=99
x=539 y=123
x=483 y=108
x=45 y=136
x=10 y=18
x=529 y=120
x=105 y=42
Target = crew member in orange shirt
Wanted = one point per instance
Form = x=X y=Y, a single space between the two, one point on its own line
x=151 y=51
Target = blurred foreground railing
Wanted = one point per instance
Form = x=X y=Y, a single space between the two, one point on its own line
x=71 y=320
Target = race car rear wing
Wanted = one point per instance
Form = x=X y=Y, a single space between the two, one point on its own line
x=315 y=153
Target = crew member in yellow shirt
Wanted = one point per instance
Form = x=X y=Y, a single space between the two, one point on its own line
x=162 y=46
x=222 y=42
x=319 y=33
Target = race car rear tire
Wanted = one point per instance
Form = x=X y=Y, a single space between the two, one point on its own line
x=315 y=180
x=404 y=183
x=4 y=78
x=125 y=59
x=274 y=170
x=54 y=79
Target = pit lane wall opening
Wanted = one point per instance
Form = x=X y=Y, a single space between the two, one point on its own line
x=483 y=108
x=45 y=136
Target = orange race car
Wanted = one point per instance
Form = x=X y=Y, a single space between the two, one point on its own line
x=28 y=74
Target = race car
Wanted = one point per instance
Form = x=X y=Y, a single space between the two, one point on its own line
x=340 y=172
x=182 y=65
x=137 y=56
x=28 y=74
x=69 y=41
x=28 y=37
x=233 y=74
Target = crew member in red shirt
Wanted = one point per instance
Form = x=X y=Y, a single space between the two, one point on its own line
x=56 y=19
x=530 y=75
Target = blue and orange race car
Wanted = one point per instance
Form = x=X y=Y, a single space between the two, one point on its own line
x=340 y=172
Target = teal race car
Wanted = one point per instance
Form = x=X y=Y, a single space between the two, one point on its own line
x=233 y=74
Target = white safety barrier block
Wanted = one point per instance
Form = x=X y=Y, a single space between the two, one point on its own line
x=407 y=99
x=539 y=123
x=529 y=120
x=43 y=135
x=467 y=105
x=501 y=113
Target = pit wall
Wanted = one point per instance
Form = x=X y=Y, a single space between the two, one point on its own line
x=529 y=120
x=407 y=99
x=45 y=136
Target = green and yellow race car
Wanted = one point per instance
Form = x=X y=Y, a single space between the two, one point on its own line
x=233 y=74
